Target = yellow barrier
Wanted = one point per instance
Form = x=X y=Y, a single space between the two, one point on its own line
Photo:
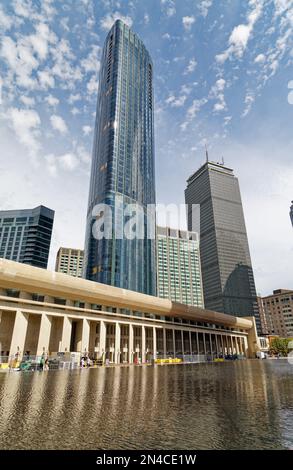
x=5 y=365
x=168 y=361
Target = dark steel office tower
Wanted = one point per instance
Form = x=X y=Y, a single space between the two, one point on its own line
x=227 y=275
x=291 y=213
x=123 y=163
x=25 y=235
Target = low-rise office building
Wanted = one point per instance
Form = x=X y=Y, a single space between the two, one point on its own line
x=278 y=313
x=48 y=311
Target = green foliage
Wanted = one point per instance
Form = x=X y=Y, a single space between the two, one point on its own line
x=280 y=346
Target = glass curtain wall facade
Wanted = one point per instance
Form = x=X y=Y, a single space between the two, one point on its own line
x=25 y=235
x=227 y=274
x=123 y=170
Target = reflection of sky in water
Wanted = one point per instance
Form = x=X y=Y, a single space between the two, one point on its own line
x=246 y=404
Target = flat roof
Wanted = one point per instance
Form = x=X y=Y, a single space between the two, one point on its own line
x=37 y=280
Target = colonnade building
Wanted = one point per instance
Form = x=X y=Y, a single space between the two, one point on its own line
x=48 y=311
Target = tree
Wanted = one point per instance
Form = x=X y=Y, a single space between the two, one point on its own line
x=280 y=346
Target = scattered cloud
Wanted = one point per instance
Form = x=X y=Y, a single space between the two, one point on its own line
x=92 y=62
x=188 y=22
x=204 y=6
x=27 y=100
x=248 y=101
x=26 y=125
x=58 y=124
x=217 y=93
x=240 y=35
x=260 y=59
x=191 y=66
x=87 y=130
x=52 y=100
x=107 y=22
x=5 y=21
x=176 y=102
x=93 y=85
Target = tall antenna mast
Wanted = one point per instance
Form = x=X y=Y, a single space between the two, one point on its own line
x=207 y=154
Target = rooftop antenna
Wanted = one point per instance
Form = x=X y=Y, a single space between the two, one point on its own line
x=207 y=154
x=223 y=161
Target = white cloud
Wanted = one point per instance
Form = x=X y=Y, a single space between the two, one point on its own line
x=5 y=21
x=20 y=60
x=52 y=100
x=240 y=35
x=27 y=100
x=92 y=62
x=195 y=107
x=41 y=39
x=107 y=22
x=217 y=92
x=58 y=124
x=51 y=164
x=192 y=112
x=86 y=130
x=25 y=124
x=74 y=111
x=204 y=7
x=73 y=98
x=93 y=85
x=248 y=101
x=22 y=8
x=146 y=18
x=260 y=59
x=63 y=67
x=66 y=162
x=166 y=36
x=176 y=102
x=191 y=66
x=188 y=22
x=83 y=154
x=46 y=79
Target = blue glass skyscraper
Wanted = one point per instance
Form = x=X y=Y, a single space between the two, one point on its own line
x=123 y=170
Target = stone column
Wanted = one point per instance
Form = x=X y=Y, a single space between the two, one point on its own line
x=232 y=345
x=182 y=341
x=237 y=345
x=154 y=343
x=19 y=334
x=102 y=337
x=164 y=343
x=217 y=347
x=117 y=342
x=66 y=334
x=246 y=352
x=211 y=343
x=85 y=336
x=204 y=343
x=44 y=334
x=197 y=343
x=174 y=343
x=130 y=347
x=190 y=343
x=143 y=347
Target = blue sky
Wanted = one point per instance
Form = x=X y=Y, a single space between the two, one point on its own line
x=222 y=73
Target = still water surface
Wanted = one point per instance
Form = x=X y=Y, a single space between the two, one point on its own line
x=237 y=405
